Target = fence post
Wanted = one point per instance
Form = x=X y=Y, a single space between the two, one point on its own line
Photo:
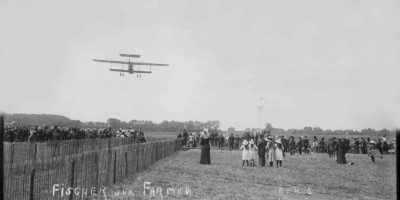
x=96 y=159
x=11 y=160
x=137 y=157
x=115 y=165
x=32 y=184
x=2 y=192
x=72 y=178
x=126 y=163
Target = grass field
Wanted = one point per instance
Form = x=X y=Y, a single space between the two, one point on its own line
x=225 y=178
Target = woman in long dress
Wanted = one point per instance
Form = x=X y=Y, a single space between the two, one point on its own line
x=279 y=154
x=270 y=152
x=341 y=151
x=245 y=152
x=252 y=153
x=205 y=157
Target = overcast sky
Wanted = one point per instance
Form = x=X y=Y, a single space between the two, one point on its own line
x=329 y=64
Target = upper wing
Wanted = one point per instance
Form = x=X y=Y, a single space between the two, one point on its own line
x=111 y=61
x=130 y=55
x=128 y=63
x=149 y=64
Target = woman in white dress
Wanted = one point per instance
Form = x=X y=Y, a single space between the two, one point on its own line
x=245 y=153
x=279 y=153
x=252 y=152
x=270 y=152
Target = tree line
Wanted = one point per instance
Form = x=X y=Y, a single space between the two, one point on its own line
x=145 y=125
x=319 y=131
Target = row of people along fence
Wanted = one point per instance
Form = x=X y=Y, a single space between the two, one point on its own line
x=49 y=169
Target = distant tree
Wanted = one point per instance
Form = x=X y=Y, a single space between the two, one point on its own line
x=231 y=129
x=268 y=127
x=307 y=130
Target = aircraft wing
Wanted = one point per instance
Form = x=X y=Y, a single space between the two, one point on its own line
x=149 y=64
x=119 y=70
x=134 y=71
x=128 y=63
x=142 y=72
x=130 y=55
x=111 y=61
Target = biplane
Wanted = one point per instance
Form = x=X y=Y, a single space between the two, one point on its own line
x=133 y=67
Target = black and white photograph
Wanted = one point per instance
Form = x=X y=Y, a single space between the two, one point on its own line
x=199 y=99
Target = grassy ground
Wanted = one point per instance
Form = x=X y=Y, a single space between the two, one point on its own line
x=225 y=178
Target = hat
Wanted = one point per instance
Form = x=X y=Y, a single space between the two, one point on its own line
x=372 y=141
x=279 y=141
x=251 y=141
x=245 y=142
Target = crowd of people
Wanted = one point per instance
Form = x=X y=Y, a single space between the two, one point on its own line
x=54 y=133
x=272 y=149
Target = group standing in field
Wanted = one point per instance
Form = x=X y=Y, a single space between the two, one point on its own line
x=271 y=149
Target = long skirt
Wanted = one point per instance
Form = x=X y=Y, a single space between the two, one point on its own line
x=205 y=157
x=252 y=154
x=271 y=155
x=278 y=154
x=246 y=154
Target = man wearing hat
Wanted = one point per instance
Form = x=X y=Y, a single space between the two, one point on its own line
x=261 y=151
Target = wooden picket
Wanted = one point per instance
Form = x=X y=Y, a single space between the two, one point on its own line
x=84 y=163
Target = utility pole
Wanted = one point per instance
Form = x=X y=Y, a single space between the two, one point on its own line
x=260 y=107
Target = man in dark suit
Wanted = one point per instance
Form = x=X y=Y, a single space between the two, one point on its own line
x=356 y=145
x=231 y=140
x=299 y=145
x=285 y=144
x=221 y=141
x=185 y=136
x=305 y=145
x=261 y=151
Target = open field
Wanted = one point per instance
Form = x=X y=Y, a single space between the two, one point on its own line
x=225 y=178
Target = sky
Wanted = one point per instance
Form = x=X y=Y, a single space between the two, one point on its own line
x=330 y=64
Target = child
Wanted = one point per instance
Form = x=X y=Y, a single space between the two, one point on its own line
x=245 y=154
x=270 y=152
x=252 y=153
x=373 y=151
x=279 y=153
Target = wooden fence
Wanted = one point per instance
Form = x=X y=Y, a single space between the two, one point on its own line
x=50 y=169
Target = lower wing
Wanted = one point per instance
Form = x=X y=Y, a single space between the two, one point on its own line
x=122 y=70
